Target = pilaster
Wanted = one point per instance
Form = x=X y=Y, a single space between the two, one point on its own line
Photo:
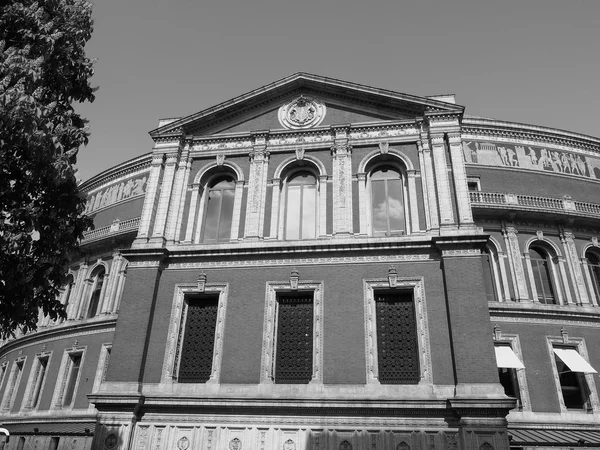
x=113 y=281
x=515 y=262
x=176 y=204
x=342 y=181
x=441 y=177
x=77 y=296
x=429 y=192
x=257 y=187
x=154 y=178
x=166 y=188
x=568 y=242
x=465 y=215
x=362 y=202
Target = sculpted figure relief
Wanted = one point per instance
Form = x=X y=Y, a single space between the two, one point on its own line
x=542 y=159
x=115 y=193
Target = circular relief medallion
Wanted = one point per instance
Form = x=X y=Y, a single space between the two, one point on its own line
x=183 y=443
x=110 y=441
x=289 y=445
x=235 y=444
x=302 y=112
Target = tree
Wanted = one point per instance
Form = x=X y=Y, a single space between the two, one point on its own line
x=43 y=71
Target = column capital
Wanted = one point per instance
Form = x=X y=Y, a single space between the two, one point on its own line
x=341 y=150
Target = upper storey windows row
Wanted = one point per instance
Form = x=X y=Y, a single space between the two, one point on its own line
x=542 y=273
x=297 y=204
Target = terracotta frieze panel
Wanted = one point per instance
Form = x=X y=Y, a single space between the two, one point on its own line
x=531 y=158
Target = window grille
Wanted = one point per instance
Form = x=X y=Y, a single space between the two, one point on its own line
x=198 y=342
x=397 y=347
x=294 y=345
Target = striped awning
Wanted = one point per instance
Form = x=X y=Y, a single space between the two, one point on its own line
x=548 y=437
x=57 y=429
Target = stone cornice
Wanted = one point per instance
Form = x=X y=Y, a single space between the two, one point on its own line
x=544 y=314
x=280 y=90
x=134 y=165
x=68 y=329
x=497 y=129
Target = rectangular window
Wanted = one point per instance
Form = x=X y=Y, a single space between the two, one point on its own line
x=571 y=368
x=195 y=365
x=397 y=346
x=36 y=381
x=72 y=378
x=54 y=441
x=13 y=384
x=294 y=339
x=508 y=364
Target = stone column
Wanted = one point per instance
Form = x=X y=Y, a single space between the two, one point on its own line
x=275 y=200
x=237 y=210
x=511 y=241
x=342 y=181
x=79 y=290
x=413 y=223
x=112 y=281
x=465 y=215
x=154 y=179
x=568 y=242
x=441 y=178
x=176 y=204
x=192 y=214
x=257 y=187
x=166 y=188
x=322 y=225
x=363 y=204
x=428 y=185
x=562 y=282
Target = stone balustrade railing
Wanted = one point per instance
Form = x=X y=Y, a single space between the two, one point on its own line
x=118 y=226
x=565 y=204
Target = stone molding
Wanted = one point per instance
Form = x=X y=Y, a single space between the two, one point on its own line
x=416 y=285
x=269 y=328
x=177 y=325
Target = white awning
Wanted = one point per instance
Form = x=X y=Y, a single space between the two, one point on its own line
x=573 y=360
x=506 y=358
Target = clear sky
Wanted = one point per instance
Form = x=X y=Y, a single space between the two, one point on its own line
x=531 y=61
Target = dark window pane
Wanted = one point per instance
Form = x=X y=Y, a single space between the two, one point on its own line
x=488 y=277
x=72 y=379
x=540 y=263
x=219 y=210
x=593 y=263
x=397 y=347
x=508 y=380
x=573 y=386
x=199 y=338
x=387 y=201
x=294 y=345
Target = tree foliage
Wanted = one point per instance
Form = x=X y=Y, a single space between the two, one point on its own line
x=43 y=71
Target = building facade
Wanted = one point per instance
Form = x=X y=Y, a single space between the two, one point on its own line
x=321 y=265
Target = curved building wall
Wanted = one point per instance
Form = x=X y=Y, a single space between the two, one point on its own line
x=439 y=276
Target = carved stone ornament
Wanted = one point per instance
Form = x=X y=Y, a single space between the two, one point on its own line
x=294 y=277
x=302 y=112
x=345 y=445
x=110 y=441
x=300 y=154
x=595 y=241
x=384 y=147
x=220 y=159
x=202 y=281
x=235 y=444
x=183 y=443
x=289 y=445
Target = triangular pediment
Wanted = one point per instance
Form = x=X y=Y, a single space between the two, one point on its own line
x=343 y=102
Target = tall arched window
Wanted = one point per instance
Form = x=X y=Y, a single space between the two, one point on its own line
x=97 y=284
x=68 y=292
x=541 y=264
x=388 y=216
x=489 y=262
x=593 y=263
x=300 y=192
x=220 y=195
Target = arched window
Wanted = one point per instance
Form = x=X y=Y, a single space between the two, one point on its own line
x=68 y=292
x=541 y=264
x=593 y=263
x=489 y=262
x=97 y=284
x=220 y=194
x=300 y=191
x=388 y=215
